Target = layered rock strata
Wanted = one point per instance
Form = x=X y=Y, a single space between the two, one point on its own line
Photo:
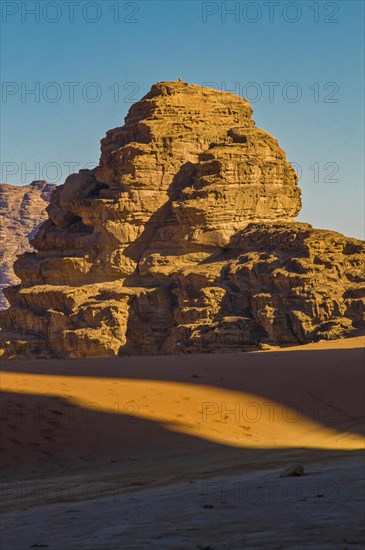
x=182 y=240
x=22 y=210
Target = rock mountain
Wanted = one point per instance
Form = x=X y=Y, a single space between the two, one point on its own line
x=22 y=209
x=182 y=240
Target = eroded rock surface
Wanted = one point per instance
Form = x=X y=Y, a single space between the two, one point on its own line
x=182 y=240
x=22 y=209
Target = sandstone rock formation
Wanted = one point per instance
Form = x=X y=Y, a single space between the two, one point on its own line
x=182 y=240
x=22 y=209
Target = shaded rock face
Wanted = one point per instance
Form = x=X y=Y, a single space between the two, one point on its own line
x=182 y=240
x=22 y=209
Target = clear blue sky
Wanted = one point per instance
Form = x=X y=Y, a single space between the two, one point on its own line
x=122 y=48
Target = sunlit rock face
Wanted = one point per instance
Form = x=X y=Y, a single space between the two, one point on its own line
x=22 y=210
x=182 y=240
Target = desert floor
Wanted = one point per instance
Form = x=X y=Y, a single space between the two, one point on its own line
x=185 y=452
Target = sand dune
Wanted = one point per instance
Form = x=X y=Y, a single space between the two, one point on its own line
x=223 y=416
x=76 y=431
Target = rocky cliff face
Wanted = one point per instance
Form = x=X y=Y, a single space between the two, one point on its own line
x=182 y=240
x=22 y=209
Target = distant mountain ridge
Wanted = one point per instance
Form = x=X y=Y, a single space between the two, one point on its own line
x=22 y=210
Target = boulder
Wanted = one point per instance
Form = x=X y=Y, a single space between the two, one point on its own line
x=182 y=240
